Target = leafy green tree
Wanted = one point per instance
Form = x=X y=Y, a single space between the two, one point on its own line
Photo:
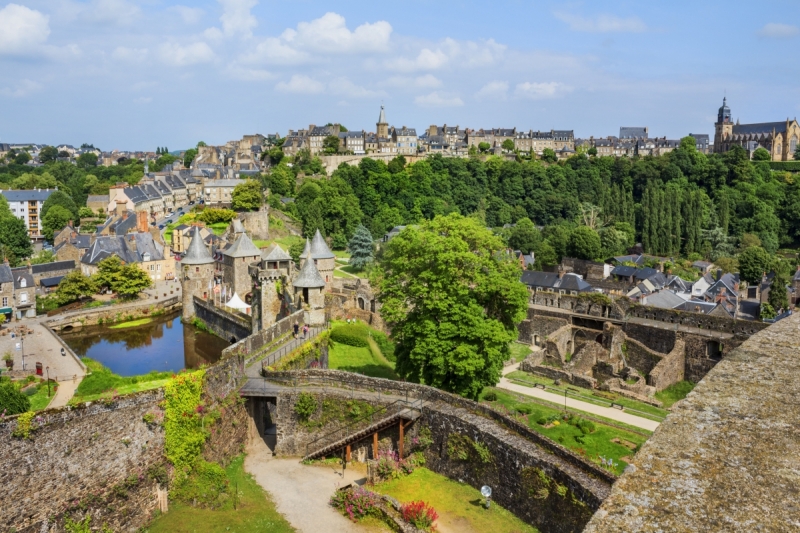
x=87 y=160
x=42 y=257
x=592 y=151
x=133 y=280
x=109 y=273
x=12 y=400
x=777 y=293
x=213 y=215
x=296 y=249
x=767 y=311
x=201 y=144
x=545 y=256
x=85 y=212
x=62 y=199
x=524 y=236
x=361 y=248
x=508 y=145
x=760 y=154
x=14 y=239
x=188 y=157
x=797 y=153
x=452 y=303
x=275 y=155
x=74 y=286
x=29 y=180
x=753 y=263
x=584 y=243
x=719 y=243
x=484 y=147
x=22 y=158
x=48 y=154
x=247 y=196
x=280 y=180
x=56 y=219
x=549 y=155
x=330 y=144
x=613 y=242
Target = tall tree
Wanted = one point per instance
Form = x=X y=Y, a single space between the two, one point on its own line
x=247 y=196
x=74 y=286
x=524 y=236
x=133 y=280
x=56 y=219
x=361 y=248
x=753 y=264
x=452 y=302
x=64 y=200
x=584 y=243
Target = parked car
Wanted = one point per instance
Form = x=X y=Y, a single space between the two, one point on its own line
x=161 y=226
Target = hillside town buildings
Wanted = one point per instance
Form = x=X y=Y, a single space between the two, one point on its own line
x=27 y=206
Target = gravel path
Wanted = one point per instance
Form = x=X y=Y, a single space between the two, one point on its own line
x=66 y=389
x=300 y=492
x=607 y=412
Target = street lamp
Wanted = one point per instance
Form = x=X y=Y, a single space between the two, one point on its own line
x=48 y=381
x=486 y=492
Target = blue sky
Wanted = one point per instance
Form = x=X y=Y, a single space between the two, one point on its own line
x=137 y=75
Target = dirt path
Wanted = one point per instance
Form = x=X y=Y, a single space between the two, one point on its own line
x=66 y=389
x=301 y=492
x=607 y=412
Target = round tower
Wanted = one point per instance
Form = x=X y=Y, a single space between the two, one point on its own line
x=197 y=273
x=309 y=288
x=324 y=259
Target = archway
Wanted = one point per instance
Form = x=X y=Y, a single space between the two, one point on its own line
x=361 y=303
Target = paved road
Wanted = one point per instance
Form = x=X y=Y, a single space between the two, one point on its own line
x=39 y=347
x=607 y=412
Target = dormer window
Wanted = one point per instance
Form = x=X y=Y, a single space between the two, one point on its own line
x=23 y=283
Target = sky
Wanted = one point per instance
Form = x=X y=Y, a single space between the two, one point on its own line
x=139 y=75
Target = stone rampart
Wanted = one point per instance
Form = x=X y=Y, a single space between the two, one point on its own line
x=727 y=458
x=254 y=346
x=88 y=456
x=224 y=324
x=671 y=369
x=657 y=339
x=112 y=313
x=640 y=356
x=579 y=380
x=557 y=344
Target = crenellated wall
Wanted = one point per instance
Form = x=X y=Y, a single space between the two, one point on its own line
x=224 y=324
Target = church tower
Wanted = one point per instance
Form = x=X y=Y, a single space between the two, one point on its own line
x=382 y=126
x=723 y=129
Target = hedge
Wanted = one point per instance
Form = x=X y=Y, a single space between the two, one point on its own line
x=351 y=335
x=789 y=166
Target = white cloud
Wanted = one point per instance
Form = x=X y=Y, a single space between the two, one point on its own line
x=236 y=17
x=540 y=91
x=330 y=34
x=112 y=11
x=426 y=81
x=190 y=15
x=300 y=84
x=275 y=52
x=143 y=100
x=778 y=31
x=191 y=54
x=251 y=74
x=602 y=23
x=22 y=30
x=132 y=55
x=21 y=89
x=437 y=99
x=493 y=90
x=345 y=87
x=451 y=52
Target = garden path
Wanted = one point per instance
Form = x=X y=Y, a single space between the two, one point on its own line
x=607 y=412
x=66 y=389
x=301 y=492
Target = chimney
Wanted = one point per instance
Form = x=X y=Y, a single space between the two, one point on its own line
x=120 y=207
x=70 y=223
x=560 y=271
x=132 y=242
x=30 y=268
x=719 y=273
x=141 y=221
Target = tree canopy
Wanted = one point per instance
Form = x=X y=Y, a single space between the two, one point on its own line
x=452 y=298
x=55 y=220
x=74 y=286
x=247 y=196
x=60 y=198
x=361 y=248
x=754 y=262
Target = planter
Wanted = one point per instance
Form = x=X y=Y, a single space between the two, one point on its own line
x=10 y=364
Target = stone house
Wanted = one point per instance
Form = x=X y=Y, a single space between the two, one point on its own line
x=233 y=264
x=352 y=141
x=98 y=203
x=134 y=248
x=182 y=237
x=217 y=193
x=778 y=138
x=405 y=139
x=317 y=134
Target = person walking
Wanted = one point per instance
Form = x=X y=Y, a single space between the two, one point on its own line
x=305 y=331
x=296 y=329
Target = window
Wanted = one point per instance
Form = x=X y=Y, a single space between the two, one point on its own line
x=793 y=144
x=5 y=301
x=23 y=298
x=778 y=149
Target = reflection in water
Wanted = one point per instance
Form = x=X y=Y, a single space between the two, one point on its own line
x=164 y=344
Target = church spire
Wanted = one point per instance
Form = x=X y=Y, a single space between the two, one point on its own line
x=383 y=126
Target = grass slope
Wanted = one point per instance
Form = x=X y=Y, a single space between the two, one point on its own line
x=360 y=361
x=519 y=351
x=102 y=380
x=255 y=512
x=675 y=392
x=131 y=323
x=38 y=396
x=594 y=444
x=458 y=504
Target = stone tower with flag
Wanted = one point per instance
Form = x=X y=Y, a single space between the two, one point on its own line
x=197 y=273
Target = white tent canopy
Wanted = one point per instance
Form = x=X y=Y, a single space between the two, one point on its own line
x=236 y=303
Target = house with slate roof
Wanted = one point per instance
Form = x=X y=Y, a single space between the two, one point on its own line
x=133 y=248
x=558 y=282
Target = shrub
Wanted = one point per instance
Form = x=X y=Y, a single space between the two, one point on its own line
x=351 y=335
x=586 y=426
x=523 y=409
x=12 y=400
x=386 y=346
x=204 y=486
x=490 y=396
x=356 y=503
x=419 y=514
x=305 y=406
x=542 y=421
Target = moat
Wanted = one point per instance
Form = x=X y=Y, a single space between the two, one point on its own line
x=164 y=344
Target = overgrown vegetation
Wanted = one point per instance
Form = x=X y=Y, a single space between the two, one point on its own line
x=103 y=383
x=675 y=393
x=313 y=414
x=306 y=354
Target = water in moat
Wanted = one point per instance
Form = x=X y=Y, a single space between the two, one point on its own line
x=164 y=344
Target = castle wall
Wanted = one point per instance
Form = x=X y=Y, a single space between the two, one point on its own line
x=256 y=223
x=222 y=323
x=194 y=283
x=255 y=345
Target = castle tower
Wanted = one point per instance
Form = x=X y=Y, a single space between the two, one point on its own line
x=382 y=126
x=323 y=258
x=276 y=268
x=723 y=128
x=306 y=253
x=236 y=261
x=198 y=272
x=309 y=286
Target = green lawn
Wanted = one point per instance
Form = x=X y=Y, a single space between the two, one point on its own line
x=675 y=392
x=350 y=270
x=254 y=513
x=587 y=395
x=458 y=504
x=341 y=254
x=339 y=274
x=519 y=351
x=360 y=361
x=218 y=227
x=594 y=445
x=131 y=323
x=102 y=381
x=260 y=243
x=38 y=396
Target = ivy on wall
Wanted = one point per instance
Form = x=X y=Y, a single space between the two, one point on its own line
x=183 y=424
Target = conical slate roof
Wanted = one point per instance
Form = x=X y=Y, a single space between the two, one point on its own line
x=309 y=277
x=382 y=117
x=242 y=247
x=197 y=253
x=306 y=250
x=275 y=253
x=319 y=248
